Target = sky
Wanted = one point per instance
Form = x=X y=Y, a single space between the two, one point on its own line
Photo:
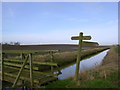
x=57 y=22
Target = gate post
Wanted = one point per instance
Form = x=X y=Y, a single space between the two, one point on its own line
x=19 y=73
x=31 y=69
x=3 y=54
x=51 y=55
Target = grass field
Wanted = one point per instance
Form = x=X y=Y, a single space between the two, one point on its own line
x=40 y=47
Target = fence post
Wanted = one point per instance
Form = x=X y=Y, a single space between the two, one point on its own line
x=51 y=54
x=52 y=60
x=22 y=56
x=3 y=54
x=31 y=69
x=18 y=76
x=78 y=56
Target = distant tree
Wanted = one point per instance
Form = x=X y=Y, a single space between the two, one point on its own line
x=11 y=43
x=5 y=43
x=16 y=43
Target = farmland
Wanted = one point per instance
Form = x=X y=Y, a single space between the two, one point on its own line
x=61 y=56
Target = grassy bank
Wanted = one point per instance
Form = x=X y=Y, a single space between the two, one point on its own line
x=104 y=76
x=67 y=57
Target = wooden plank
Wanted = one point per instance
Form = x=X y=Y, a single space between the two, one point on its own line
x=87 y=37
x=21 y=77
x=20 y=65
x=86 y=43
x=27 y=71
x=75 y=38
x=84 y=38
x=27 y=51
x=45 y=63
x=40 y=80
x=34 y=62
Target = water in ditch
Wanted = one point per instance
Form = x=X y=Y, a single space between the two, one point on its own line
x=85 y=64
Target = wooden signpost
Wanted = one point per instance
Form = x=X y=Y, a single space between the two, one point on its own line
x=81 y=42
x=86 y=43
x=84 y=38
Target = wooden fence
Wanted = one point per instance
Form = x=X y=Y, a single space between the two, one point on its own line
x=25 y=71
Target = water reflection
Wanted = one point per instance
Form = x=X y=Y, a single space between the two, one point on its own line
x=84 y=64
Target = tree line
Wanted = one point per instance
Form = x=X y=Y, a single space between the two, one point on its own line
x=10 y=43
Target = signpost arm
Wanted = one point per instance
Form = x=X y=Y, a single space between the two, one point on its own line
x=78 y=56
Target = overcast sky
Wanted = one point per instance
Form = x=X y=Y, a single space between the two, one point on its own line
x=56 y=22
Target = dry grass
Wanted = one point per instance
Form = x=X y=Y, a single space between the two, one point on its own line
x=112 y=57
x=109 y=65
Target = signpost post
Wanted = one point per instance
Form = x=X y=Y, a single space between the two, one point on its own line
x=81 y=42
